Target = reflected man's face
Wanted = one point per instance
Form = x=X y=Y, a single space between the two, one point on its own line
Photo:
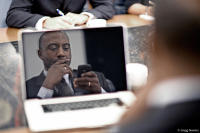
x=54 y=46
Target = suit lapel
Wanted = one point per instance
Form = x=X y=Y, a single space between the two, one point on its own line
x=40 y=79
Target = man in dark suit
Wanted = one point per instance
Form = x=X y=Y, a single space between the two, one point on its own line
x=43 y=14
x=58 y=79
x=172 y=101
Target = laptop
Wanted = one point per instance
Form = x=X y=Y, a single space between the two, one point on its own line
x=104 y=49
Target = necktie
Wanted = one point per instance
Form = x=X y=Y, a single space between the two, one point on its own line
x=63 y=89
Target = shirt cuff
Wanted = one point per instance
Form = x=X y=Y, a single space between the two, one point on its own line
x=39 y=24
x=102 y=90
x=45 y=93
x=90 y=15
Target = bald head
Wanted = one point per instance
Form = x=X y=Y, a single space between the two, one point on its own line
x=43 y=38
x=54 y=46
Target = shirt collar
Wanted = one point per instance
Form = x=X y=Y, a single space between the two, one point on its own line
x=175 y=91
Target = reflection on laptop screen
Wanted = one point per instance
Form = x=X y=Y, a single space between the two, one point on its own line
x=74 y=62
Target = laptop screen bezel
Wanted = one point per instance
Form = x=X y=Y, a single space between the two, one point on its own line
x=21 y=50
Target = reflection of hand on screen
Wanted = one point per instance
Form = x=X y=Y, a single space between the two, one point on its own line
x=88 y=81
x=55 y=74
x=83 y=69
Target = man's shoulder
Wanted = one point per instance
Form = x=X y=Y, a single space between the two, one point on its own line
x=166 y=119
x=35 y=79
x=33 y=85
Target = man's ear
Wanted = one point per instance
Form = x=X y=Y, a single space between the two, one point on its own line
x=39 y=54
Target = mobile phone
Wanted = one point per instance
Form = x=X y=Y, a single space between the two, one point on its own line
x=83 y=69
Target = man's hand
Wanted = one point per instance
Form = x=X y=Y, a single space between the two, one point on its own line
x=88 y=81
x=55 y=74
x=138 y=9
x=77 y=19
x=67 y=21
x=60 y=22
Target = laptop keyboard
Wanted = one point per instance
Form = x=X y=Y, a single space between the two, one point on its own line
x=81 y=105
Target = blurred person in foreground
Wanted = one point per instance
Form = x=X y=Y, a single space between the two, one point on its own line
x=11 y=104
x=43 y=13
x=171 y=102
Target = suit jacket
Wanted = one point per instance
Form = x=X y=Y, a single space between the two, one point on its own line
x=173 y=106
x=26 y=13
x=34 y=84
x=175 y=118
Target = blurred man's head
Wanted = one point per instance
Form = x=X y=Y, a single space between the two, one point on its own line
x=54 y=46
x=177 y=32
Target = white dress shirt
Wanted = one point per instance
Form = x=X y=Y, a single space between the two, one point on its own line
x=172 y=91
x=175 y=90
x=39 y=24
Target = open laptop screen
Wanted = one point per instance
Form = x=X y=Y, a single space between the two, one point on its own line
x=102 y=48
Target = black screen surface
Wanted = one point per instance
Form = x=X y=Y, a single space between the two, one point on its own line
x=102 y=48
x=105 y=52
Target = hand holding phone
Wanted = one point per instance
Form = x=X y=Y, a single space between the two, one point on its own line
x=83 y=69
x=89 y=81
